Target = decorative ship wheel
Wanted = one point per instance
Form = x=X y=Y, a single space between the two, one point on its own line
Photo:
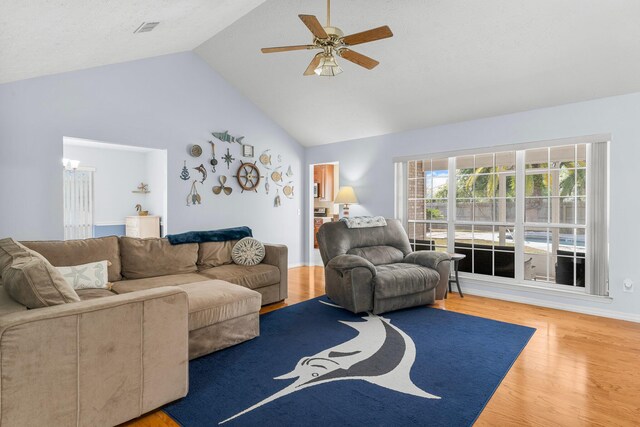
x=248 y=177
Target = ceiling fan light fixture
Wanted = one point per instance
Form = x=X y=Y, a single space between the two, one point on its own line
x=328 y=66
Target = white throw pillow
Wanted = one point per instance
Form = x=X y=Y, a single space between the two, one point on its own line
x=248 y=251
x=93 y=275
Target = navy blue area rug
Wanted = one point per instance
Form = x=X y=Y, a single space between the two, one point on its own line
x=317 y=364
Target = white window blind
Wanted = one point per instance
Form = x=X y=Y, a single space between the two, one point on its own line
x=78 y=204
x=598 y=218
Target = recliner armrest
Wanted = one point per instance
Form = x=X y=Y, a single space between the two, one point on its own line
x=429 y=259
x=349 y=262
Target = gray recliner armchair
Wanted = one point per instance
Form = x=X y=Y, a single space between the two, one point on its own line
x=373 y=269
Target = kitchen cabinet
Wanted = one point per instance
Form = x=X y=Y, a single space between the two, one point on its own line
x=142 y=226
x=323 y=176
x=317 y=223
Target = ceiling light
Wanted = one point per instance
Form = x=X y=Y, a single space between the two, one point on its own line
x=70 y=164
x=328 y=66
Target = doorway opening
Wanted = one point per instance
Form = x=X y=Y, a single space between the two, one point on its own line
x=325 y=183
x=113 y=190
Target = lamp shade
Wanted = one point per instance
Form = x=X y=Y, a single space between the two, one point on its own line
x=327 y=66
x=346 y=195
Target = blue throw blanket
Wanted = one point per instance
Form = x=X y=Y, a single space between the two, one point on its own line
x=235 y=233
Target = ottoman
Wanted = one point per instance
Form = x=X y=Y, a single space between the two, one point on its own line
x=221 y=314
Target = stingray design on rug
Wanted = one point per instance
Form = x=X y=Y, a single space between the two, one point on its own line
x=380 y=354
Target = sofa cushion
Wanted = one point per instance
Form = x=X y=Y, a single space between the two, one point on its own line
x=126 y=286
x=248 y=251
x=214 y=301
x=8 y=304
x=378 y=255
x=93 y=293
x=214 y=254
x=142 y=258
x=252 y=277
x=394 y=280
x=75 y=252
x=93 y=275
x=35 y=283
x=9 y=251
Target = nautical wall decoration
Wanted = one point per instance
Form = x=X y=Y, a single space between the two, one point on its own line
x=265 y=157
x=213 y=162
x=276 y=176
x=288 y=190
x=194 y=197
x=142 y=189
x=184 y=175
x=225 y=137
x=247 y=150
x=228 y=158
x=203 y=171
x=248 y=177
x=196 y=150
x=222 y=188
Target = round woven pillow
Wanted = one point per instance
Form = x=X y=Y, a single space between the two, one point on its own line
x=248 y=251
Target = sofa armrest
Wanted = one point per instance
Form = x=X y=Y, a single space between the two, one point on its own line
x=346 y=262
x=439 y=261
x=278 y=255
x=96 y=362
x=429 y=259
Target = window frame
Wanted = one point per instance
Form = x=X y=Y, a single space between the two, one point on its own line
x=520 y=224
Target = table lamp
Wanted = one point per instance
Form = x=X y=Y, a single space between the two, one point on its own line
x=346 y=196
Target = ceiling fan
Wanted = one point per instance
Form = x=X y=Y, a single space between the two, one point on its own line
x=332 y=42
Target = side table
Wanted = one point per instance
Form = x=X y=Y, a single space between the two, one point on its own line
x=455 y=259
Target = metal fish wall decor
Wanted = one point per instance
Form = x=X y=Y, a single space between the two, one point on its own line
x=225 y=137
x=193 y=198
x=203 y=171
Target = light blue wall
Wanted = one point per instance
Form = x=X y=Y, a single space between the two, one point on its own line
x=166 y=102
x=367 y=165
x=108 y=230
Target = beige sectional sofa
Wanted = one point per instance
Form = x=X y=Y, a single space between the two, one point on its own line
x=119 y=353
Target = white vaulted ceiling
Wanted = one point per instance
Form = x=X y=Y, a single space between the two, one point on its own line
x=39 y=37
x=449 y=60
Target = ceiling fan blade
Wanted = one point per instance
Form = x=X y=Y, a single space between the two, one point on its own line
x=358 y=58
x=368 y=36
x=314 y=26
x=313 y=65
x=286 y=48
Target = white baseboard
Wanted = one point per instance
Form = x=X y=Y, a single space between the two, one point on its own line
x=594 y=311
x=300 y=264
x=550 y=304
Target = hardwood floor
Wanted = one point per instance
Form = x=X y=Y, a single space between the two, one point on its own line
x=577 y=370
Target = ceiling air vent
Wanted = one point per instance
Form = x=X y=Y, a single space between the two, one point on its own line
x=145 y=27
